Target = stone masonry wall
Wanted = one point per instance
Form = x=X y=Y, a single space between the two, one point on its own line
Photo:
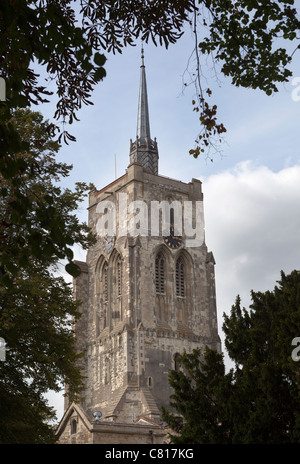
x=136 y=350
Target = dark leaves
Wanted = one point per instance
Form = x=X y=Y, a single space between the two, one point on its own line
x=257 y=401
x=38 y=228
x=31 y=207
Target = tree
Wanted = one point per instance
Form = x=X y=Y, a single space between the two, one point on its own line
x=33 y=223
x=200 y=392
x=257 y=401
x=36 y=305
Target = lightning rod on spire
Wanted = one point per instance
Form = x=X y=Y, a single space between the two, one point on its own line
x=142 y=54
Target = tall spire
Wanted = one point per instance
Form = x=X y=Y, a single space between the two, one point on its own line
x=143 y=124
x=144 y=149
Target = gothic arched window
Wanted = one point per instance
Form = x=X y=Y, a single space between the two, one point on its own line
x=160 y=274
x=180 y=277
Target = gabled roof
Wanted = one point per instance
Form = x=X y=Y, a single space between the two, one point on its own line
x=73 y=407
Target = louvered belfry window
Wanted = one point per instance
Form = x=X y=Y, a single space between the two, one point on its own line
x=119 y=277
x=160 y=274
x=105 y=282
x=180 y=277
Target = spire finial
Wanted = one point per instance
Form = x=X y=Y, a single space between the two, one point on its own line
x=142 y=54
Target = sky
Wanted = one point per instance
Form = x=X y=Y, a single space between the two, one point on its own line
x=251 y=190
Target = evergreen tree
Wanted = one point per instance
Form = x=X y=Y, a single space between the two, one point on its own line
x=257 y=401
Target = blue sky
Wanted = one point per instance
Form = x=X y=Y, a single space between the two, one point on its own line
x=251 y=192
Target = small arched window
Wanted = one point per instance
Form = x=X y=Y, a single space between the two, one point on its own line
x=176 y=362
x=160 y=274
x=180 y=277
x=74 y=426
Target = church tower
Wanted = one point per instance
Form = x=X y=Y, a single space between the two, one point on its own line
x=148 y=293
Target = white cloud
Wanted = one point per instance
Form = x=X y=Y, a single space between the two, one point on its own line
x=253 y=228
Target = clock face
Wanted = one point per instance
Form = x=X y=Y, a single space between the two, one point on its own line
x=173 y=241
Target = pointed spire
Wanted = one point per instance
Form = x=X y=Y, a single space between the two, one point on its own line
x=144 y=150
x=143 y=124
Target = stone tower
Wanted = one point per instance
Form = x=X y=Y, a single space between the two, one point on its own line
x=148 y=293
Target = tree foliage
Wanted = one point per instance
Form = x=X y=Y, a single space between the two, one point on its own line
x=199 y=397
x=36 y=304
x=257 y=401
x=247 y=38
x=35 y=214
